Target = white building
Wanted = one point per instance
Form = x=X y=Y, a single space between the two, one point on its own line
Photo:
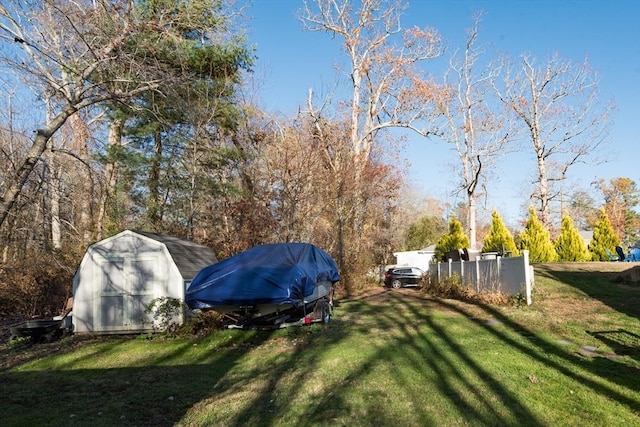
x=420 y=258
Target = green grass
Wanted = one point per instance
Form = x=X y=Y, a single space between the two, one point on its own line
x=395 y=358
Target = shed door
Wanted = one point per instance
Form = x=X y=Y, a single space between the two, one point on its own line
x=127 y=287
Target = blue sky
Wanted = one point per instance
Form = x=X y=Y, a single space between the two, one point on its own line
x=607 y=32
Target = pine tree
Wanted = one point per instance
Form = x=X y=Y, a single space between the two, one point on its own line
x=604 y=237
x=537 y=240
x=499 y=238
x=455 y=239
x=570 y=246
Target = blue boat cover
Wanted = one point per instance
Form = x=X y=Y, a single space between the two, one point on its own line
x=277 y=273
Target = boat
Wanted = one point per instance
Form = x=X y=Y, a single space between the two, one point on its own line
x=268 y=286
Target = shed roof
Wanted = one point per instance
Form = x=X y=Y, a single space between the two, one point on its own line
x=189 y=257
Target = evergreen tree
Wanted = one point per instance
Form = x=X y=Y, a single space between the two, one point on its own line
x=499 y=238
x=455 y=239
x=570 y=246
x=424 y=232
x=604 y=237
x=536 y=239
x=196 y=106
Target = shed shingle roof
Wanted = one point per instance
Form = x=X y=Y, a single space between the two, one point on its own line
x=189 y=257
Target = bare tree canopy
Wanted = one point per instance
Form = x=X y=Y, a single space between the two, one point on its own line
x=478 y=130
x=388 y=88
x=556 y=102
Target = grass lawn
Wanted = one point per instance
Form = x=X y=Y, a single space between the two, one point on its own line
x=392 y=357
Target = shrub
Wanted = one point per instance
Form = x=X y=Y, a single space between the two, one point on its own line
x=604 y=237
x=449 y=287
x=36 y=286
x=166 y=312
x=201 y=323
x=499 y=238
x=537 y=240
x=455 y=239
x=452 y=287
x=570 y=245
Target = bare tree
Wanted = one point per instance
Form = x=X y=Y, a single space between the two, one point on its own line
x=387 y=90
x=111 y=173
x=556 y=102
x=72 y=54
x=295 y=171
x=37 y=207
x=480 y=132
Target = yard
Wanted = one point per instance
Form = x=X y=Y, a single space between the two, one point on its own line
x=391 y=357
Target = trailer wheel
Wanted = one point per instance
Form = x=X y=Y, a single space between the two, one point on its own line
x=322 y=311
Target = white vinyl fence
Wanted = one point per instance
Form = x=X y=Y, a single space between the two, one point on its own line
x=507 y=275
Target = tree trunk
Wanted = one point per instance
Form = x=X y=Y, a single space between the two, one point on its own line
x=54 y=202
x=154 y=180
x=34 y=154
x=114 y=139
x=80 y=142
x=543 y=192
x=472 y=221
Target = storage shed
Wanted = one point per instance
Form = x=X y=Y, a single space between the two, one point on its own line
x=119 y=276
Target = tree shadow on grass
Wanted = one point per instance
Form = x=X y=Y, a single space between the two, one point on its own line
x=462 y=384
x=338 y=399
x=158 y=393
x=604 y=285
x=211 y=390
x=621 y=341
x=19 y=352
x=555 y=356
x=307 y=376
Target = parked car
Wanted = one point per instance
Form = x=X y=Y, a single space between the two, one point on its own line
x=400 y=277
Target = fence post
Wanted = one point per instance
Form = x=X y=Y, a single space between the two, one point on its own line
x=477 y=275
x=528 y=275
x=499 y=275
